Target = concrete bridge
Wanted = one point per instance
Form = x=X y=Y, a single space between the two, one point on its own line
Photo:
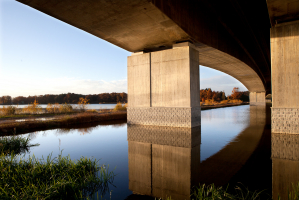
x=170 y=39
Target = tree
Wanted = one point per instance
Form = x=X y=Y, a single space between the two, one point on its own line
x=235 y=93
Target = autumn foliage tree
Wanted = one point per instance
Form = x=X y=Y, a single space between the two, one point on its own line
x=209 y=94
x=239 y=95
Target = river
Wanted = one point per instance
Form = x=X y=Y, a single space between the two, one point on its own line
x=88 y=106
x=232 y=145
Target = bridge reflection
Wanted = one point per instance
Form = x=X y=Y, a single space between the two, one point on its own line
x=285 y=164
x=165 y=161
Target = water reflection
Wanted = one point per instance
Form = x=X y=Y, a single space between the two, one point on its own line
x=163 y=160
x=166 y=161
x=285 y=163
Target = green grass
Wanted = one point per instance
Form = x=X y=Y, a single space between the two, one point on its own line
x=57 y=178
x=14 y=145
x=50 y=178
x=211 y=192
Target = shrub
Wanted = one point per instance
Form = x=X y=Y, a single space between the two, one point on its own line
x=82 y=104
x=224 y=102
x=32 y=108
x=119 y=106
x=8 y=110
x=235 y=101
x=65 y=108
x=92 y=111
x=209 y=102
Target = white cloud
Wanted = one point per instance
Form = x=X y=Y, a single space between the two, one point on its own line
x=26 y=87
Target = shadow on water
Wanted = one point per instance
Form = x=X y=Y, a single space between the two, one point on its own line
x=285 y=164
x=165 y=161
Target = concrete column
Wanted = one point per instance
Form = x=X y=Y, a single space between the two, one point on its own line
x=163 y=87
x=257 y=98
x=285 y=77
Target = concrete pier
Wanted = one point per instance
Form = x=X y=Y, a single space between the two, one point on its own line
x=163 y=87
x=257 y=98
x=285 y=73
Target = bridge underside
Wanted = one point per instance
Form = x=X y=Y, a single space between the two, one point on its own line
x=150 y=26
x=225 y=35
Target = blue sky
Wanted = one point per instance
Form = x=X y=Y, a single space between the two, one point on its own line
x=42 y=55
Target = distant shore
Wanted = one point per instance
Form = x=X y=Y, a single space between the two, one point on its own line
x=208 y=107
x=26 y=123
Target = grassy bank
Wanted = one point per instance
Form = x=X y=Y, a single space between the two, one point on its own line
x=209 y=107
x=50 y=178
x=11 y=127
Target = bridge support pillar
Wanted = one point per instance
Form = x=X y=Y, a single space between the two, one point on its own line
x=285 y=77
x=163 y=87
x=257 y=98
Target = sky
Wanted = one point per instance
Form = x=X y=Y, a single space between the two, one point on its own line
x=42 y=55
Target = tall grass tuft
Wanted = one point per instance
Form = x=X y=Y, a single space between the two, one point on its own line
x=210 y=192
x=52 y=178
x=294 y=194
x=14 y=145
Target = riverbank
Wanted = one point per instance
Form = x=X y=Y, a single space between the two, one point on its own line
x=209 y=107
x=25 y=123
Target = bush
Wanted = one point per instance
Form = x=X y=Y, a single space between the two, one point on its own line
x=224 y=102
x=65 y=108
x=33 y=108
x=8 y=110
x=119 y=106
x=235 y=101
x=82 y=104
x=209 y=102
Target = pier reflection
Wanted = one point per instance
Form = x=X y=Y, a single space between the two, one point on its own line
x=165 y=161
x=285 y=164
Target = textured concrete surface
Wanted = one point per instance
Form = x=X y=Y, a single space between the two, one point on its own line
x=285 y=163
x=285 y=120
x=165 y=116
x=285 y=76
x=163 y=87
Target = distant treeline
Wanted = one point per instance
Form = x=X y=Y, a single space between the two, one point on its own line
x=71 y=98
x=209 y=94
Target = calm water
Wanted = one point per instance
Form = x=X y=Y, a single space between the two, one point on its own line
x=232 y=145
x=89 y=106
